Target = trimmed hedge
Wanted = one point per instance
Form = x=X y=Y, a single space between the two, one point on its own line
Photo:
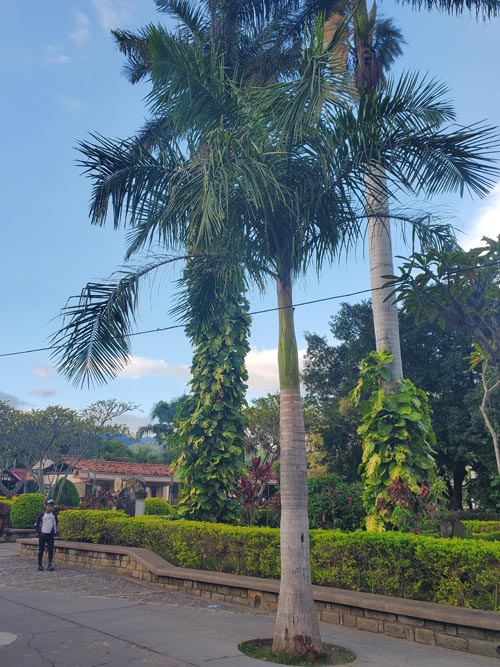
x=454 y=572
x=25 y=510
x=483 y=530
x=159 y=506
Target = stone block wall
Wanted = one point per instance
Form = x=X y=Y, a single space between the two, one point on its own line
x=469 y=630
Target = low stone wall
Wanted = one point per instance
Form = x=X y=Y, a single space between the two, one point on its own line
x=471 y=630
x=15 y=534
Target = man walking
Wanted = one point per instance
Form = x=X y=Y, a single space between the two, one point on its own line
x=45 y=530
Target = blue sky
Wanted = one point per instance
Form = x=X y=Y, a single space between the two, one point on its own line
x=62 y=78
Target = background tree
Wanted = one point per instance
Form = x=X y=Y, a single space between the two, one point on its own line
x=8 y=444
x=262 y=433
x=461 y=289
x=162 y=426
x=435 y=359
x=49 y=438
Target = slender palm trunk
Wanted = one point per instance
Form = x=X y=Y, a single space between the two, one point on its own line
x=385 y=312
x=297 y=629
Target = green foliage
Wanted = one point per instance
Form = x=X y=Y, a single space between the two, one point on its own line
x=461 y=289
x=159 y=506
x=334 y=503
x=449 y=571
x=25 y=509
x=400 y=487
x=486 y=493
x=69 y=495
x=210 y=424
x=483 y=530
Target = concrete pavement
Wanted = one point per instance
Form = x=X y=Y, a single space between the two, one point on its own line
x=78 y=618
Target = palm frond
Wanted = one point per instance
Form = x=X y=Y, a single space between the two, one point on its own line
x=193 y=18
x=126 y=176
x=388 y=42
x=188 y=84
x=483 y=8
x=135 y=47
x=92 y=346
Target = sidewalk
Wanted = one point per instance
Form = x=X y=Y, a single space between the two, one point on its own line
x=77 y=618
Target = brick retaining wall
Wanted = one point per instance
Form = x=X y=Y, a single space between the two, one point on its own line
x=471 y=630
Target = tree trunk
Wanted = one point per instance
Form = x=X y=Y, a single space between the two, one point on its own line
x=296 y=630
x=484 y=407
x=385 y=312
x=456 y=499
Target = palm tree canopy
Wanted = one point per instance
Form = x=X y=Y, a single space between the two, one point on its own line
x=281 y=166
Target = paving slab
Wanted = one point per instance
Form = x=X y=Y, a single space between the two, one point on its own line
x=78 y=618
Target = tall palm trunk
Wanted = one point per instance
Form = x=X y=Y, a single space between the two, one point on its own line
x=369 y=75
x=296 y=631
x=385 y=312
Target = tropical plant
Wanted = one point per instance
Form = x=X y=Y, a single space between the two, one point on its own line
x=162 y=426
x=209 y=428
x=400 y=485
x=253 y=487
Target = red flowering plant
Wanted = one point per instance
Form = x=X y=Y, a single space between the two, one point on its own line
x=254 y=494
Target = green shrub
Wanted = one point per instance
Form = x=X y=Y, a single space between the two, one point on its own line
x=483 y=530
x=159 y=506
x=69 y=496
x=481 y=527
x=25 y=510
x=449 y=571
x=334 y=503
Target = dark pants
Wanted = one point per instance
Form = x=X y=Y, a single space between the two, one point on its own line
x=45 y=539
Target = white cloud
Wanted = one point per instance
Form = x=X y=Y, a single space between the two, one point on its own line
x=69 y=102
x=44 y=371
x=55 y=56
x=487 y=222
x=81 y=32
x=262 y=366
x=146 y=367
x=44 y=392
x=113 y=13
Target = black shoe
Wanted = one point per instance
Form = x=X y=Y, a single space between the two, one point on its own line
x=40 y=568
x=51 y=568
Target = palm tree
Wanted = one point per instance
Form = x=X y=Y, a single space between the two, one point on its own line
x=376 y=45
x=281 y=169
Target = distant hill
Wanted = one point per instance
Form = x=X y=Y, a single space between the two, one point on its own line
x=127 y=440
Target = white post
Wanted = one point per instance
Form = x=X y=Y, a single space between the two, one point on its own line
x=140 y=506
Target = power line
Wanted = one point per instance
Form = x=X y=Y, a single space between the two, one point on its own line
x=181 y=326
x=254 y=312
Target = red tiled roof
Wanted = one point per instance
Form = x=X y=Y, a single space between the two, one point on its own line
x=123 y=468
x=21 y=473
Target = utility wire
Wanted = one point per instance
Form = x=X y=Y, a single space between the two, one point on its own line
x=254 y=312
x=181 y=326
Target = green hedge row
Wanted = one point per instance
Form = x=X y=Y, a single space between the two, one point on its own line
x=455 y=572
x=482 y=527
